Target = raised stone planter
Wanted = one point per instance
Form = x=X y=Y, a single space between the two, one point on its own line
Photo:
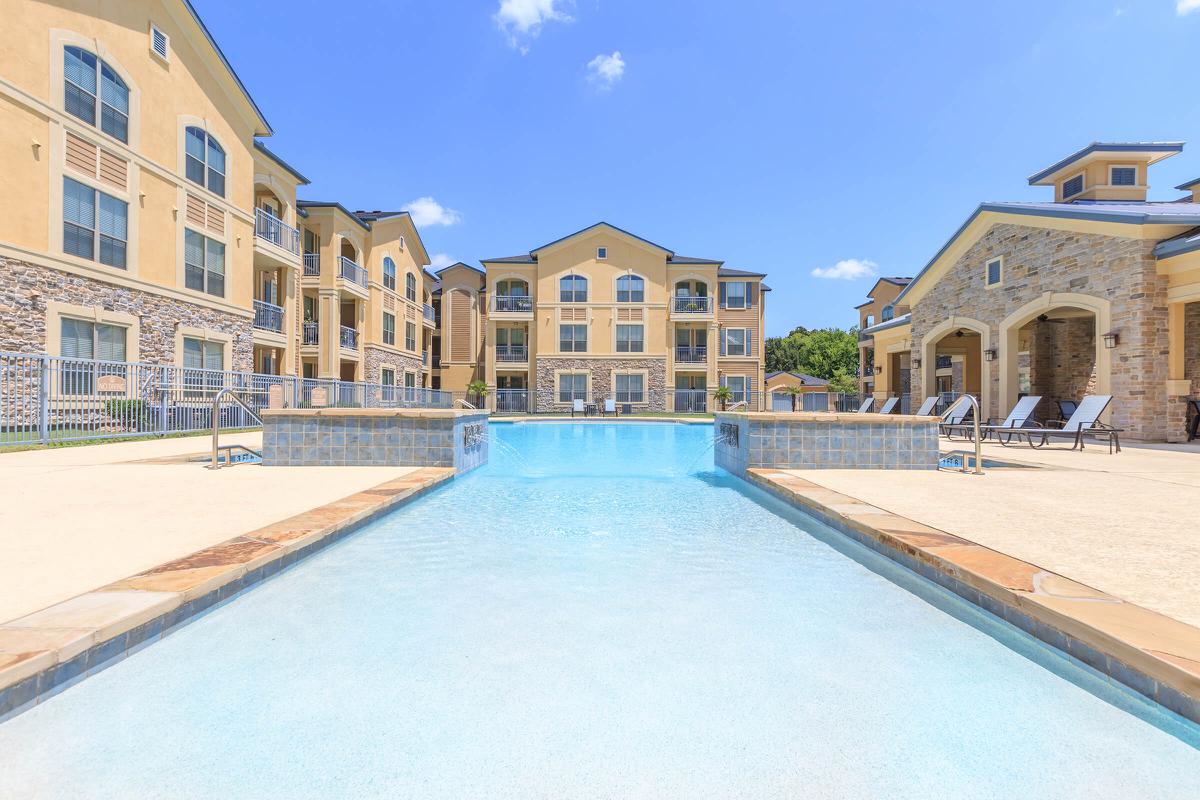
x=747 y=440
x=375 y=437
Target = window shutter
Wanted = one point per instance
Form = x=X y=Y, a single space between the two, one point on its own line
x=751 y=294
x=723 y=345
x=722 y=290
x=749 y=341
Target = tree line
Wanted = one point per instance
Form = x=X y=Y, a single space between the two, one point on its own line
x=828 y=353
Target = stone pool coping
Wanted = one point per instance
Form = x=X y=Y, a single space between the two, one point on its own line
x=418 y=413
x=46 y=651
x=1148 y=652
x=823 y=416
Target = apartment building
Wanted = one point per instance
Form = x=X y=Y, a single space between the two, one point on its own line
x=1096 y=291
x=878 y=309
x=602 y=314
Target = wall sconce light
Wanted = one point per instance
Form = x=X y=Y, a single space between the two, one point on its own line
x=989 y=355
x=916 y=363
x=879 y=370
x=1110 y=340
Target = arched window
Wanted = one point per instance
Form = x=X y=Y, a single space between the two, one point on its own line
x=91 y=87
x=410 y=286
x=572 y=289
x=389 y=273
x=205 y=160
x=631 y=289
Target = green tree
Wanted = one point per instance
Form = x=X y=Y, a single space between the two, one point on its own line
x=480 y=390
x=828 y=353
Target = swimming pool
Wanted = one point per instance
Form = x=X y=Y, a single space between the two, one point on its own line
x=597 y=612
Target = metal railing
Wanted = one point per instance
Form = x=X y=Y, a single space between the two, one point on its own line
x=430 y=314
x=311 y=333
x=512 y=353
x=691 y=355
x=351 y=271
x=691 y=305
x=268 y=316
x=689 y=401
x=232 y=394
x=312 y=265
x=511 y=302
x=513 y=401
x=271 y=228
x=349 y=338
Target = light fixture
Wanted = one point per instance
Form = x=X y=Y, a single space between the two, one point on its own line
x=878 y=370
x=989 y=355
x=1110 y=340
x=916 y=363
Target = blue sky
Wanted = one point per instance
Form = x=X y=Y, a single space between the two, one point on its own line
x=782 y=137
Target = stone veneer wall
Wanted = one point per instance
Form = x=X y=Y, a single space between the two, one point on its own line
x=601 y=370
x=1039 y=260
x=26 y=288
x=1062 y=362
x=376 y=358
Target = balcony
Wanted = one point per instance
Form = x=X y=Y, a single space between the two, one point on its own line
x=512 y=304
x=512 y=353
x=691 y=355
x=311 y=333
x=430 y=315
x=268 y=316
x=270 y=228
x=349 y=337
x=691 y=305
x=312 y=265
x=352 y=272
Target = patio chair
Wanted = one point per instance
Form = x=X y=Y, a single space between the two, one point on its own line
x=889 y=405
x=1021 y=416
x=926 y=409
x=1193 y=405
x=866 y=406
x=954 y=420
x=577 y=407
x=610 y=406
x=1083 y=423
x=1066 y=408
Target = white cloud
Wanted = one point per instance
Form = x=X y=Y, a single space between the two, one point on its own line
x=1184 y=7
x=604 y=70
x=440 y=260
x=427 y=211
x=847 y=270
x=522 y=20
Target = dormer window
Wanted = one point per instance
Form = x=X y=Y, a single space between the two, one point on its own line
x=1122 y=176
x=601 y=253
x=1072 y=186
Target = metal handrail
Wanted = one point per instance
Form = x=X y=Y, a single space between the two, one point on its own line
x=738 y=403
x=978 y=439
x=466 y=404
x=216 y=417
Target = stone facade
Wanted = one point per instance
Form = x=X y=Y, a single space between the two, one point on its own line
x=1121 y=271
x=377 y=357
x=601 y=370
x=26 y=288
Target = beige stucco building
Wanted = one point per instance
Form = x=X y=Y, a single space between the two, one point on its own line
x=1096 y=292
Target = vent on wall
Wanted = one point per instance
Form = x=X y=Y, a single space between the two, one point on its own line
x=159 y=42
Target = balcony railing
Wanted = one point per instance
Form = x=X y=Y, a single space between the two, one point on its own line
x=311 y=333
x=312 y=265
x=428 y=311
x=349 y=338
x=268 y=316
x=692 y=305
x=351 y=271
x=512 y=352
x=690 y=401
x=512 y=302
x=513 y=400
x=691 y=355
x=271 y=228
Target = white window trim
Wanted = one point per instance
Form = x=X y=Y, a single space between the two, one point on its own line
x=163 y=57
x=1083 y=184
x=645 y=376
x=987 y=266
x=601 y=253
x=616 y=339
x=587 y=337
x=630 y=274
x=745 y=340
x=587 y=387
x=204 y=335
x=181 y=273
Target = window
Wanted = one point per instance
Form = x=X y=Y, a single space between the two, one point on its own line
x=630 y=338
x=572 y=386
x=1072 y=187
x=737 y=342
x=410 y=286
x=95 y=225
x=410 y=336
x=201 y=355
x=734 y=294
x=631 y=289
x=737 y=385
x=84 y=339
x=83 y=73
x=572 y=289
x=389 y=273
x=572 y=338
x=868 y=321
x=512 y=288
x=203 y=263
x=601 y=253
x=410 y=380
x=389 y=328
x=1122 y=176
x=159 y=42
x=630 y=388
x=387 y=376
x=204 y=160
x=401 y=244
x=995 y=271
x=888 y=313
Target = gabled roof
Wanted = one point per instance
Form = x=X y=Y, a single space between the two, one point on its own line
x=509 y=260
x=266 y=131
x=1186 y=187
x=726 y=272
x=1155 y=151
x=692 y=260
x=460 y=264
x=295 y=173
x=532 y=258
x=808 y=380
x=371 y=217
x=601 y=224
x=306 y=204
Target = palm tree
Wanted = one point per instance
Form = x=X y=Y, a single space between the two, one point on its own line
x=723 y=394
x=794 y=391
x=479 y=389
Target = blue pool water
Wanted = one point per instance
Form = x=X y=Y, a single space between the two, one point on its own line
x=597 y=613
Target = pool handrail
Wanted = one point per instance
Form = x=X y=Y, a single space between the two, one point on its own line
x=232 y=393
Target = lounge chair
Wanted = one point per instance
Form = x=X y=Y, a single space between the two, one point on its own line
x=1021 y=416
x=926 y=409
x=1193 y=405
x=954 y=421
x=889 y=405
x=610 y=406
x=1084 y=422
x=866 y=406
x=1066 y=408
x=577 y=407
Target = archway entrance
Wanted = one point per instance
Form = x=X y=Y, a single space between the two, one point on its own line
x=1056 y=359
x=953 y=362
